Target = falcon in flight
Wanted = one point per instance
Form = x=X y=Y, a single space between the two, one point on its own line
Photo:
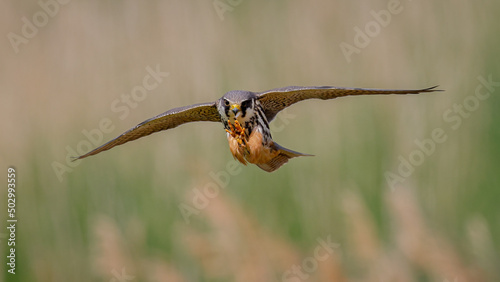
x=246 y=116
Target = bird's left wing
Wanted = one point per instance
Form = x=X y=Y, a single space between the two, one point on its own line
x=167 y=120
x=275 y=100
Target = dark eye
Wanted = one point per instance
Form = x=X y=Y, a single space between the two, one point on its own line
x=226 y=102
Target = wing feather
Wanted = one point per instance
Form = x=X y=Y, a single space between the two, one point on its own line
x=275 y=100
x=167 y=120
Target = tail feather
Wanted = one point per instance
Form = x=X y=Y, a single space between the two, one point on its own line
x=280 y=159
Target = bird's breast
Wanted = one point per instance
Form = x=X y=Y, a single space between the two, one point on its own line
x=253 y=148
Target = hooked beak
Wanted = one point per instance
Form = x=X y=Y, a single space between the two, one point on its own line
x=235 y=108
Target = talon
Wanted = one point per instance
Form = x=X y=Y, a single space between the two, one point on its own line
x=237 y=125
x=237 y=132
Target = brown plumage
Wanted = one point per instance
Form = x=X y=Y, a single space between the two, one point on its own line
x=246 y=116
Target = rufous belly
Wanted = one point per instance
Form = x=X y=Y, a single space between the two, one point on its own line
x=251 y=149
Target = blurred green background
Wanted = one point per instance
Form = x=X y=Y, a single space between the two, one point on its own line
x=67 y=68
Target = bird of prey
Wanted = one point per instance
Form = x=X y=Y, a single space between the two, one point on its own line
x=246 y=116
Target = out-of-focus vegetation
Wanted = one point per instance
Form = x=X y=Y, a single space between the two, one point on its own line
x=128 y=214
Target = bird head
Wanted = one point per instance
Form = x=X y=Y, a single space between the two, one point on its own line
x=237 y=105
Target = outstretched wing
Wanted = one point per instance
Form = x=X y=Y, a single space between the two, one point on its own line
x=169 y=119
x=275 y=100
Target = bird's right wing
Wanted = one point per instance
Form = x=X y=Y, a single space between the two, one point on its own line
x=167 y=120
